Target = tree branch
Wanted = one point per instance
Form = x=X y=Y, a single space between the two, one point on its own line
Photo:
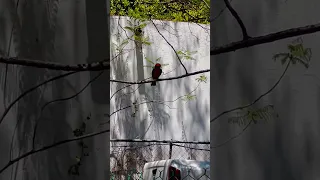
x=96 y=66
x=29 y=91
x=164 y=79
x=170 y=46
x=252 y=41
x=57 y=100
x=151 y=101
x=51 y=146
x=237 y=17
x=234 y=137
x=260 y=97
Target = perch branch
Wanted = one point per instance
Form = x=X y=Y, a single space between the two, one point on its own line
x=164 y=79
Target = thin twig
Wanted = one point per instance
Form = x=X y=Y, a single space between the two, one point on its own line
x=234 y=137
x=146 y=102
x=49 y=147
x=164 y=79
x=237 y=17
x=260 y=97
x=220 y=13
x=170 y=46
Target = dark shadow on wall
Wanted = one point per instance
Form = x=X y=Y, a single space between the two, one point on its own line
x=32 y=45
x=276 y=160
x=99 y=49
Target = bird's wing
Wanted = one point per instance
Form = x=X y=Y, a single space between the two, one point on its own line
x=152 y=72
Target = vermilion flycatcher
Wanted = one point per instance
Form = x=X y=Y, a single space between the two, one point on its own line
x=156 y=72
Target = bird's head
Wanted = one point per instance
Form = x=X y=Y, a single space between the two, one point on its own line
x=158 y=65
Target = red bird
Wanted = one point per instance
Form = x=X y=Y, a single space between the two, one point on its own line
x=156 y=72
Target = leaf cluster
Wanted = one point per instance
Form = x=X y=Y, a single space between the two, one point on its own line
x=297 y=54
x=74 y=169
x=195 y=11
x=257 y=115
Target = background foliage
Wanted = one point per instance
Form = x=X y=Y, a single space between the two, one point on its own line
x=197 y=11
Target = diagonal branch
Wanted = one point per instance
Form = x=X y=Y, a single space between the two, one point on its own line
x=49 y=147
x=29 y=91
x=146 y=102
x=234 y=137
x=164 y=79
x=260 y=97
x=170 y=46
x=237 y=17
x=96 y=66
x=265 y=39
x=57 y=100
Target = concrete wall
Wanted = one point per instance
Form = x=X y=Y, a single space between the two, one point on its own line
x=172 y=119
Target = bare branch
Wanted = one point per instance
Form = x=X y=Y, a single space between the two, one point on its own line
x=152 y=101
x=164 y=79
x=159 y=141
x=220 y=13
x=146 y=102
x=120 y=90
x=61 y=99
x=170 y=46
x=49 y=147
x=29 y=91
x=260 y=97
x=234 y=137
x=237 y=17
x=96 y=66
x=265 y=39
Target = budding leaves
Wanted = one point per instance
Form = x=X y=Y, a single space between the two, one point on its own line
x=74 y=168
x=202 y=78
x=186 y=55
x=297 y=54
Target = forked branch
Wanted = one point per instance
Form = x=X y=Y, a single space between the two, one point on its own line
x=237 y=17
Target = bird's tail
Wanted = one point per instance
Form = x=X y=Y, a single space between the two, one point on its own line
x=153 y=83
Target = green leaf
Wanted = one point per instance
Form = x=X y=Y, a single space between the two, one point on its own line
x=147 y=43
x=149 y=60
x=129 y=28
x=78 y=159
x=202 y=78
x=189 y=97
x=143 y=25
